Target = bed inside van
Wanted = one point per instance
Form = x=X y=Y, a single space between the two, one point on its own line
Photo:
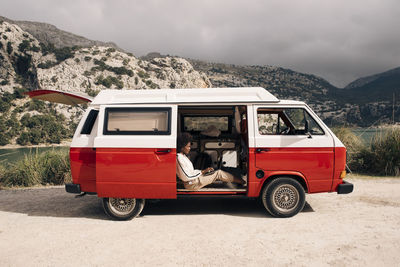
x=220 y=141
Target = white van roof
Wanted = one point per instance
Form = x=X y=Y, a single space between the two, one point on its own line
x=194 y=95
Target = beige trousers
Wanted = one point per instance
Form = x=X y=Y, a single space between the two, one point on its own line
x=204 y=180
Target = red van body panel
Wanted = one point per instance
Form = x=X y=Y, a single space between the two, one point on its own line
x=316 y=164
x=340 y=165
x=136 y=172
x=83 y=167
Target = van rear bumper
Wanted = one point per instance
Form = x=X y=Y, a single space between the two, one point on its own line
x=73 y=188
x=345 y=188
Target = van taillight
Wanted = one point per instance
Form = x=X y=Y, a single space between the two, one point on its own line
x=343 y=174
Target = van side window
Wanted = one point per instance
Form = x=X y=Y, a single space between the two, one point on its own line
x=90 y=120
x=289 y=121
x=270 y=123
x=303 y=122
x=137 y=121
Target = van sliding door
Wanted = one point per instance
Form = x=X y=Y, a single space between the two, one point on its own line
x=136 y=152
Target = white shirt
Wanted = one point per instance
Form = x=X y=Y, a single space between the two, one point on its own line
x=185 y=169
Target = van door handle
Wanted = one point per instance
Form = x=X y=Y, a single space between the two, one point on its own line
x=260 y=150
x=162 y=151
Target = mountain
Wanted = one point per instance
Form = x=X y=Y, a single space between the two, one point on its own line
x=28 y=64
x=368 y=79
x=379 y=87
x=50 y=35
x=364 y=102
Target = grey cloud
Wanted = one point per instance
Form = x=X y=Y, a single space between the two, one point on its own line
x=337 y=40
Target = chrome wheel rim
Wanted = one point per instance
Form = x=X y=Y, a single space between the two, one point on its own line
x=122 y=206
x=285 y=198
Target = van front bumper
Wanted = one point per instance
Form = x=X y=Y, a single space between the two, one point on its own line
x=73 y=188
x=345 y=188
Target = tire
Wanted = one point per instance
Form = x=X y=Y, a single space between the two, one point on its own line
x=283 y=197
x=123 y=208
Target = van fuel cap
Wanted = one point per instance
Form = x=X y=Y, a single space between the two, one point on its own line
x=259 y=174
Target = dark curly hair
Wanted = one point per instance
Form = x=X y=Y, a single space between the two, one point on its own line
x=182 y=141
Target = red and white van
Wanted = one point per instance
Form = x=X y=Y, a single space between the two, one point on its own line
x=124 y=148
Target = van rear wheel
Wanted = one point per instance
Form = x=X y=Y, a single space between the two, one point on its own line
x=123 y=208
x=283 y=197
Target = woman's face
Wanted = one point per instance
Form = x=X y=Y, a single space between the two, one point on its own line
x=186 y=149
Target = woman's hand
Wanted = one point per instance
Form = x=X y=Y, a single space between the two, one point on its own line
x=209 y=169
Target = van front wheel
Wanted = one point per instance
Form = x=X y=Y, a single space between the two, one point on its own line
x=283 y=197
x=123 y=208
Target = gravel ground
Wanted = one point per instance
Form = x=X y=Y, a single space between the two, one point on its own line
x=47 y=227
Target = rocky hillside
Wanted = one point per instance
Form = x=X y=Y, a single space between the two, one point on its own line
x=28 y=64
x=366 y=101
x=50 y=35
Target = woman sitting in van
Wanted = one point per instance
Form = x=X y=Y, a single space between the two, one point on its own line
x=197 y=179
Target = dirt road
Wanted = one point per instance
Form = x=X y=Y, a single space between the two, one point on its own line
x=49 y=227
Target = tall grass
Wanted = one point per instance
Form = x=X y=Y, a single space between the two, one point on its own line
x=47 y=168
x=353 y=145
x=380 y=157
x=383 y=155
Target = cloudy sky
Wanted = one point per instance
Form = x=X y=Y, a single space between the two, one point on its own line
x=339 y=40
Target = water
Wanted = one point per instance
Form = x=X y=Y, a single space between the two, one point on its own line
x=15 y=154
x=366 y=134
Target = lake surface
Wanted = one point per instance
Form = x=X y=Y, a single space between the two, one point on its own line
x=366 y=134
x=15 y=154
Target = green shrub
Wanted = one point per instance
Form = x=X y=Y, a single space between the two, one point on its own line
x=101 y=66
x=92 y=92
x=4 y=105
x=9 y=48
x=4 y=82
x=143 y=75
x=61 y=54
x=24 y=45
x=19 y=92
x=57 y=169
x=47 y=65
x=51 y=167
x=109 y=81
x=87 y=58
x=26 y=172
x=125 y=61
x=34 y=48
x=23 y=139
x=4 y=136
x=385 y=151
x=64 y=53
x=352 y=143
x=381 y=157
